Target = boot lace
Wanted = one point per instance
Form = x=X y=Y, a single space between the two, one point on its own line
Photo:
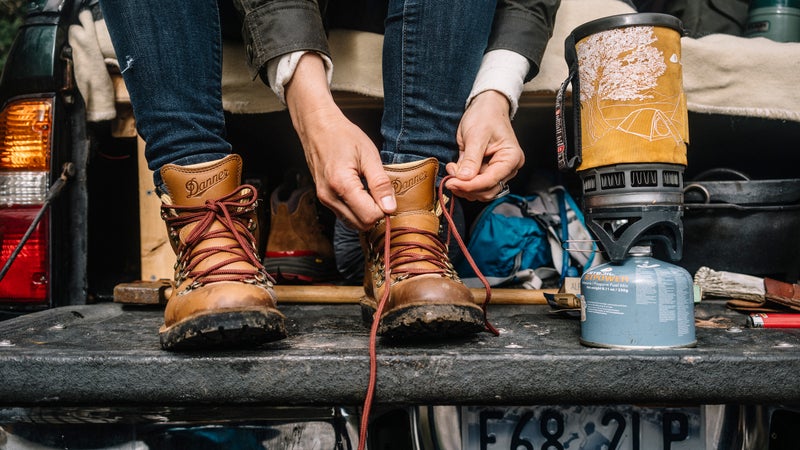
x=409 y=252
x=233 y=212
x=437 y=256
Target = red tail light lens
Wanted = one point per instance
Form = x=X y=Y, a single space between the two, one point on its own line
x=28 y=278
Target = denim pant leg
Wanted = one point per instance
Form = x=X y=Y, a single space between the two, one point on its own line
x=431 y=53
x=170 y=57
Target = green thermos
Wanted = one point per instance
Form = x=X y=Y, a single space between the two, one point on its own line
x=778 y=20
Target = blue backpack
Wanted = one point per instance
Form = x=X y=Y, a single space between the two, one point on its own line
x=522 y=240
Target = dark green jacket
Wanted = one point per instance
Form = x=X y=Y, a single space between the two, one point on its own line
x=524 y=26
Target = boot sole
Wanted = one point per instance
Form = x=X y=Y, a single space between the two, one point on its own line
x=426 y=321
x=223 y=330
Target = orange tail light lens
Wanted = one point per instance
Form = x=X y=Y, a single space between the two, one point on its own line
x=25 y=133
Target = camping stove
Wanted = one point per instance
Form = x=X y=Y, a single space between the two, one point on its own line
x=630 y=130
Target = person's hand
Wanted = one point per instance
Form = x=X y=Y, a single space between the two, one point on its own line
x=337 y=151
x=489 y=154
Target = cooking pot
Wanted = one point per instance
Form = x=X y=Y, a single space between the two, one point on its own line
x=737 y=224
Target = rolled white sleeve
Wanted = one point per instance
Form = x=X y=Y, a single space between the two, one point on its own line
x=280 y=71
x=503 y=71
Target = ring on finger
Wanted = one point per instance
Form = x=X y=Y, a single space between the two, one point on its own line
x=504 y=190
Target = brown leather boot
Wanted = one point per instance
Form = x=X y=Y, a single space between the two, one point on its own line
x=222 y=296
x=298 y=250
x=427 y=299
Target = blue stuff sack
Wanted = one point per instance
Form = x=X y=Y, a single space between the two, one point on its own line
x=520 y=240
x=504 y=241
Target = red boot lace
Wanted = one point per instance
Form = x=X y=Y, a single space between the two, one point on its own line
x=390 y=262
x=231 y=211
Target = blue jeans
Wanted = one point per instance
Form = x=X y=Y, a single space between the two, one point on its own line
x=169 y=55
x=431 y=52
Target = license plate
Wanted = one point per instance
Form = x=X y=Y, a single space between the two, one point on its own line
x=581 y=427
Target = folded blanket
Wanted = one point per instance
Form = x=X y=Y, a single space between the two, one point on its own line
x=738 y=76
x=723 y=74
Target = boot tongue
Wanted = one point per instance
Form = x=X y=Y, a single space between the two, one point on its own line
x=414 y=184
x=192 y=185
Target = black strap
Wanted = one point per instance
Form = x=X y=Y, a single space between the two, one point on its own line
x=565 y=161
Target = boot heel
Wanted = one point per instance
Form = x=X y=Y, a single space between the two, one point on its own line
x=233 y=329
x=432 y=322
x=368 y=308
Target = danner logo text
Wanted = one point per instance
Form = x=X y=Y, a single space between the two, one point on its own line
x=401 y=187
x=196 y=188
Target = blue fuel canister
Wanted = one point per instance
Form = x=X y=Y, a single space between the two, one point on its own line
x=642 y=303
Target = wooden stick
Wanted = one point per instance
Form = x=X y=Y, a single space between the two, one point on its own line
x=156 y=292
x=352 y=294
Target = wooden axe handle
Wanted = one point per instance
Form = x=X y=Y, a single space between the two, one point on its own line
x=155 y=292
x=352 y=294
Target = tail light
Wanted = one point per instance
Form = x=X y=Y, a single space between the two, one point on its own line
x=26 y=131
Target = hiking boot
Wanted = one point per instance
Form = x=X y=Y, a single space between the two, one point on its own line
x=297 y=248
x=426 y=298
x=221 y=294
